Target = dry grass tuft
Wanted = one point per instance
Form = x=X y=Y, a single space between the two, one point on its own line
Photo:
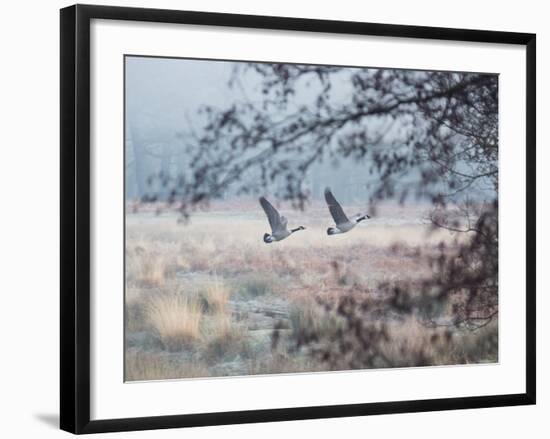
x=145 y=268
x=307 y=314
x=176 y=319
x=152 y=271
x=223 y=338
x=215 y=297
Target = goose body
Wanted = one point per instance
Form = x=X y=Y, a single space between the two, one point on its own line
x=343 y=223
x=278 y=223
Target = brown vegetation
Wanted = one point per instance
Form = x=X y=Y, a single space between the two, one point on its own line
x=208 y=299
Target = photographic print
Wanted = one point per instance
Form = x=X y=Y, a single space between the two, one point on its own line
x=295 y=218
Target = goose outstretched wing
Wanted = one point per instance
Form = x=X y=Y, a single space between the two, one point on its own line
x=275 y=221
x=335 y=209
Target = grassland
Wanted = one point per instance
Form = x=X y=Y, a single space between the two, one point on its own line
x=203 y=298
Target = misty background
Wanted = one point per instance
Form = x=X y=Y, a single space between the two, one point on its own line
x=166 y=116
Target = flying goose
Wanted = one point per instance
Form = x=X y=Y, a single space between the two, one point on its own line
x=277 y=222
x=343 y=223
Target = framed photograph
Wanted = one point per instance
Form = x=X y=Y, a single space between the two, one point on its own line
x=268 y=218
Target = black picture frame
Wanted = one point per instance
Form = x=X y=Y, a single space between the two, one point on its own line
x=75 y=217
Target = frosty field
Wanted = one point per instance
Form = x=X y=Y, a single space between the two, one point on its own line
x=208 y=298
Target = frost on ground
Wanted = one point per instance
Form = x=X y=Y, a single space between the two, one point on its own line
x=209 y=298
